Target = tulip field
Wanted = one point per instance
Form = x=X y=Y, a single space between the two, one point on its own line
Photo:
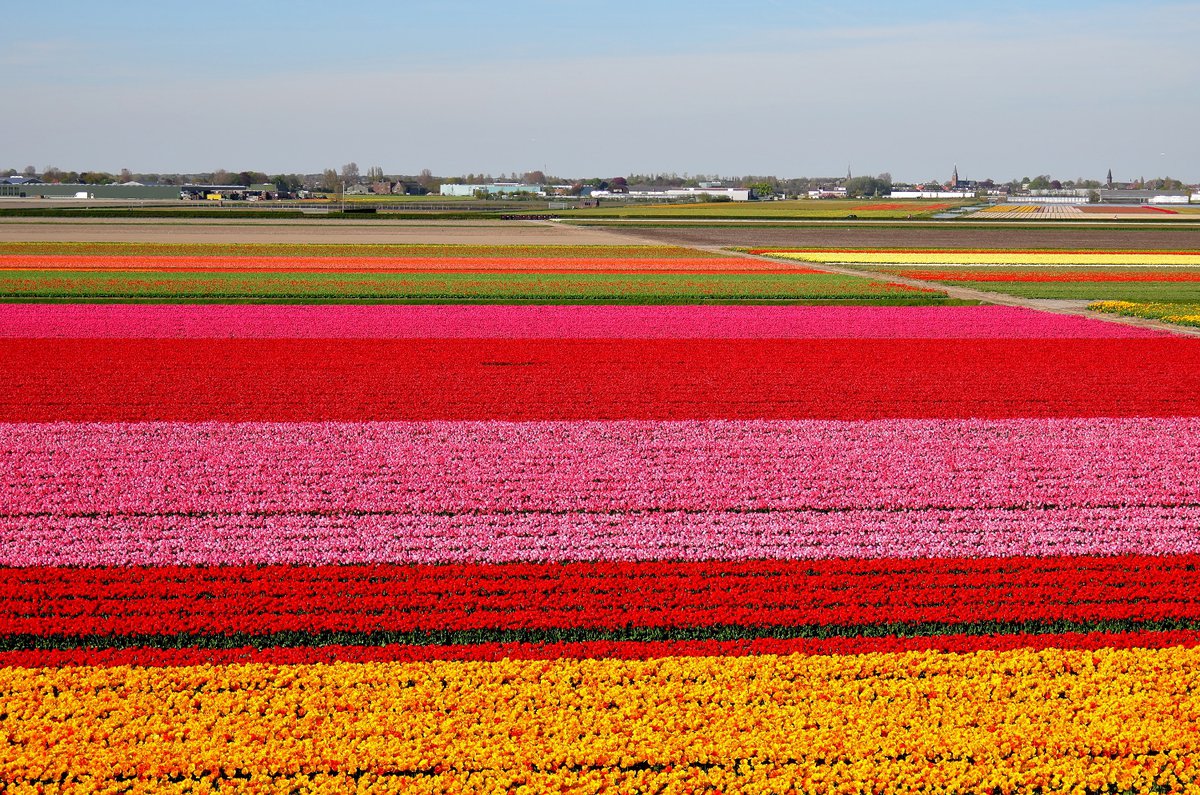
x=438 y=274
x=620 y=547
x=1143 y=283
x=1180 y=313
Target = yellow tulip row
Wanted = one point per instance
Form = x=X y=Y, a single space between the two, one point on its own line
x=1182 y=314
x=1056 y=719
x=1162 y=259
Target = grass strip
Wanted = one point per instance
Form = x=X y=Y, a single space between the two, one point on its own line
x=638 y=288
x=1138 y=292
x=716 y=632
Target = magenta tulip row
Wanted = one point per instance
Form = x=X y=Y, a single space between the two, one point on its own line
x=655 y=322
x=355 y=492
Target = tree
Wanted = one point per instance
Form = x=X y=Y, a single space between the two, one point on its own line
x=29 y=171
x=867 y=186
x=350 y=173
x=762 y=189
x=221 y=177
x=248 y=178
x=375 y=174
x=426 y=181
x=329 y=181
x=125 y=176
x=618 y=185
x=1040 y=182
x=52 y=174
x=534 y=178
x=289 y=183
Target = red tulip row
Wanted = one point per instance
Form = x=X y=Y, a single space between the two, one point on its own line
x=514 y=379
x=44 y=601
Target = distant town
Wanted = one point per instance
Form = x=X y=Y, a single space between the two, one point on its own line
x=349 y=181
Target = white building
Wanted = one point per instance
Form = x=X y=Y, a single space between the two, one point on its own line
x=676 y=194
x=931 y=194
x=494 y=189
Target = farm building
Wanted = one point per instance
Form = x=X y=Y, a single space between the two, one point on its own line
x=496 y=188
x=1119 y=196
x=191 y=191
x=38 y=190
x=676 y=194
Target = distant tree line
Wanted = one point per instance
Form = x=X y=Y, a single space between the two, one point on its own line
x=332 y=180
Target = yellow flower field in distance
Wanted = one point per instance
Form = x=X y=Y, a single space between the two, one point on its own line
x=1014 y=720
x=992 y=257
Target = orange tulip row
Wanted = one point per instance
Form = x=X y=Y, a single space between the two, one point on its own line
x=1012 y=721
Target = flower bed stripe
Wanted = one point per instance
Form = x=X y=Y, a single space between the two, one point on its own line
x=1048 y=274
x=216 y=321
x=90 y=604
x=721 y=633
x=634 y=535
x=298 y=380
x=209 y=264
x=157 y=656
x=349 y=250
x=181 y=493
x=1004 y=257
x=951 y=250
x=783 y=284
x=620 y=725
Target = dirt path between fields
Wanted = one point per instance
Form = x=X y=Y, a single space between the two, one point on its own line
x=1060 y=306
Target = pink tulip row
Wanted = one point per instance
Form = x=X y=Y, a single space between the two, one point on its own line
x=343 y=492
x=654 y=322
x=253 y=538
x=454 y=467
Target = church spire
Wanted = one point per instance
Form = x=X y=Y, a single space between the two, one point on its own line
x=954 y=177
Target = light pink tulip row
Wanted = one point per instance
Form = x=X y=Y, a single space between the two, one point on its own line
x=349 y=492
x=572 y=322
x=208 y=539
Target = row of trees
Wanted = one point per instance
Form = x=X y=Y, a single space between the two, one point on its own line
x=1045 y=182
x=332 y=180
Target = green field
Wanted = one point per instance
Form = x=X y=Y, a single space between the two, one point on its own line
x=1094 y=291
x=1062 y=281
x=779 y=210
x=545 y=287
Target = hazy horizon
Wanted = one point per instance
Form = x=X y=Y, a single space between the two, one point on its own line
x=608 y=89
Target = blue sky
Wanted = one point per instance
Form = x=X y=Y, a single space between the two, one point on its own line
x=606 y=88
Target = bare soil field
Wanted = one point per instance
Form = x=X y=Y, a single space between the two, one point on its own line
x=303 y=231
x=929 y=237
